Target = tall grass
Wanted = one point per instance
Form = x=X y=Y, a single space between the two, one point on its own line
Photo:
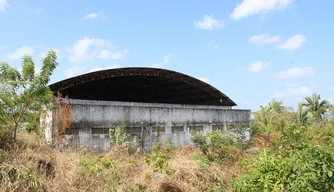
x=118 y=170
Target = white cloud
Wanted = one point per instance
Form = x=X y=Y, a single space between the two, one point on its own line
x=331 y=88
x=264 y=38
x=293 y=91
x=92 y=48
x=204 y=79
x=214 y=44
x=302 y=90
x=254 y=7
x=107 y=54
x=73 y=71
x=103 y=68
x=78 y=70
x=291 y=84
x=95 y=15
x=3 y=5
x=20 y=52
x=296 y=72
x=280 y=95
x=2 y=47
x=165 y=60
x=208 y=22
x=258 y=66
x=292 y=43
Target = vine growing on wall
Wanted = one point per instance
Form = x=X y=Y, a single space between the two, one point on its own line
x=63 y=117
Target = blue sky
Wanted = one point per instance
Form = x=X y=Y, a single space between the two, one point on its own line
x=251 y=50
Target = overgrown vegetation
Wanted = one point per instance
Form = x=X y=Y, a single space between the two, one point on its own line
x=298 y=153
x=62 y=113
x=22 y=93
x=289 y=150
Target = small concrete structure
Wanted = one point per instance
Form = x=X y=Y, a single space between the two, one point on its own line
x=153 y=103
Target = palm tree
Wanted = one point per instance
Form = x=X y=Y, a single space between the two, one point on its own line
x=302 y=115
x=315 y=106
x=264 y=116
x=276 y=106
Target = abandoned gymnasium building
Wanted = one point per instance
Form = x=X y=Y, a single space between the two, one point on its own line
x=153 y=103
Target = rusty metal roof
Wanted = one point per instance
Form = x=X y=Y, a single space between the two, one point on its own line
x=149 y=85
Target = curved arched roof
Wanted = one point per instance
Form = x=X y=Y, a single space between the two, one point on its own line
x=150 y=85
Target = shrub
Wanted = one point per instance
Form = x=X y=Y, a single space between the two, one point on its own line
x=306 y=168
x=18 y=179
x=6 y=138
x=217 y=146
x=325 y=135
x=158 y=158
x=118 y=134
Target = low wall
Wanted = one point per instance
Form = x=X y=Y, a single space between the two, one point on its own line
x=147 y=122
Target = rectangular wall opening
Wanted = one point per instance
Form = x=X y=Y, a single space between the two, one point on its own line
x=177 y=129
x=196 y=128
x=72 y=131
x=100 y=131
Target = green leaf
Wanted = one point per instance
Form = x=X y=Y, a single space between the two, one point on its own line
x=330 y=173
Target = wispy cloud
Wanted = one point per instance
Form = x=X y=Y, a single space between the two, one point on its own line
x=254 y=7
x=103 y=68
x=208 y=22
x=3 y=5
x=75 y=70
x=20 y=52
x=292 y=85
x=292 y=43
x=78 y=69
x=258 y=66
x=264 y=38
x=214 y=45
x=164 y=60
x=293 y=91
x=95 y=15
x=107 y=54
x=94 y=48
x=296 y=72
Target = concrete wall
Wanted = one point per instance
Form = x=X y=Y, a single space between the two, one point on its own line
x=177 y=121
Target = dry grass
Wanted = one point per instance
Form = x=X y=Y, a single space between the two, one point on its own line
x=117 y=170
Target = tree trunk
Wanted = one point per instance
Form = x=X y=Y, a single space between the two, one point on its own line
x=15 y=130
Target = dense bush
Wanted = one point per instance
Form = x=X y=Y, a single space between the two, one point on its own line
x=217 y=146
x=299 y=154
x=308 y=167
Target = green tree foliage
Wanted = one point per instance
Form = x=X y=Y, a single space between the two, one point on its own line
x=277 y=106
x=306 y=168
x=302 y=114
x=300 y=157
x=269 y=118
x=23 y=92
x=316 y=107
x=217 y=146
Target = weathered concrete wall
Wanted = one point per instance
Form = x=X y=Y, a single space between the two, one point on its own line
x=177 y=121
x=46 y=125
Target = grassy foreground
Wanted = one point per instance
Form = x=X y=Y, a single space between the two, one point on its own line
x=118 y=170
x=290 y=158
